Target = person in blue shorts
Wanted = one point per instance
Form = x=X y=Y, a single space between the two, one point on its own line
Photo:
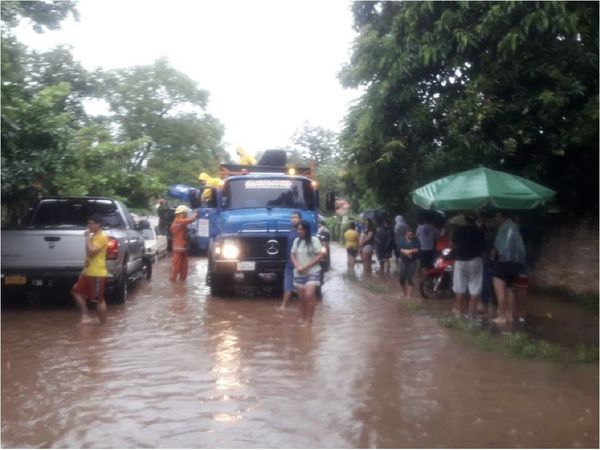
x=306 y=255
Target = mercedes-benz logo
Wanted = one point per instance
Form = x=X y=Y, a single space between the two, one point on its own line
x=272 y=247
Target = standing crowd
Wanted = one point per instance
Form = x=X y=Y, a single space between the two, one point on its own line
x=488 y=253
x=487 y=250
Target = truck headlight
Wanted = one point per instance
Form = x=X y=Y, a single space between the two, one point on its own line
x=230 y=249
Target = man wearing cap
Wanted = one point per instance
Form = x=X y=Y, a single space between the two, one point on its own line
x=180 y=242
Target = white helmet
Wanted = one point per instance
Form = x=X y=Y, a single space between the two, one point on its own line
x=182 y=209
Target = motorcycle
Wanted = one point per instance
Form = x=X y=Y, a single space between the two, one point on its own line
x=325 y=237
x=437 y=281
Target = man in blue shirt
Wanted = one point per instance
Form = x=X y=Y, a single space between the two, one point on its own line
x=288 y=273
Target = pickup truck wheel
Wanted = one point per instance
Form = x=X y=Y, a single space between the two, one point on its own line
x=146 y=268
x=119 y=295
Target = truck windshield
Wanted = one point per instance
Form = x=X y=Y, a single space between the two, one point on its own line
x=71 y=212
x=269 y=193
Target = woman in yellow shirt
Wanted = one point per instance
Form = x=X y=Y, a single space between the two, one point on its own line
x=351 y=239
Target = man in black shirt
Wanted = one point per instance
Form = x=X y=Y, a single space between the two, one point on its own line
x=468 y=244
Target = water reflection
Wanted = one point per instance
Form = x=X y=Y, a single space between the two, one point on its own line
x=176 y=368
x=227 y=361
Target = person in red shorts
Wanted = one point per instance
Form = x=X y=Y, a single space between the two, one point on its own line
x=180 y=242
x=92 y=281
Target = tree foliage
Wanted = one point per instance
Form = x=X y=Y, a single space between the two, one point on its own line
x=317 y=143
x=42 y=15
x=451 y=85
x=157 y=132
x=320 y=145
x=165 y=107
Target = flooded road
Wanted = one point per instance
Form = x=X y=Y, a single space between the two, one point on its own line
x=174 y=367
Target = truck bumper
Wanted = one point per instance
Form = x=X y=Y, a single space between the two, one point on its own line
x=22 y=283
x=250 y=272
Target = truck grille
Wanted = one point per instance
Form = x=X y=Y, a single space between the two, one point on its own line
x=269 y=248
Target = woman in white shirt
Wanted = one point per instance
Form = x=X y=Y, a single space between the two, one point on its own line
x=306 y=255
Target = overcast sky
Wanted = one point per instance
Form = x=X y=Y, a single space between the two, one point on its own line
x=268 y=65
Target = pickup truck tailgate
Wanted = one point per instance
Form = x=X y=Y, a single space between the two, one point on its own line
x=27 y=248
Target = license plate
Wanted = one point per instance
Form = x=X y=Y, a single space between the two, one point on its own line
x=15 y=279
x=244 y=266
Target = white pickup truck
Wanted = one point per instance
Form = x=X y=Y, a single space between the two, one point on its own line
x=48 y=251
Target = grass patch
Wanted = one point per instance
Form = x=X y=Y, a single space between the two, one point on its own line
x=585 y=354
x=369 y=285
x=376 y=287
x=413 y=305
x=588 y=301
x=515 y=344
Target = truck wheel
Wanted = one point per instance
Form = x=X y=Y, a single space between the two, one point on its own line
x=218 y=285
x=119 y=295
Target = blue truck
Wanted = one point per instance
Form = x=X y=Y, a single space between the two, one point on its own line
x=243 y=224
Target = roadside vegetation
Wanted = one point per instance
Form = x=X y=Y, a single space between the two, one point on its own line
x=513 y=344
x=518 y=344
x=446 y=86
x=449 y=86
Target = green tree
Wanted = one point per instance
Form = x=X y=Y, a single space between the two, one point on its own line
x=36 y=126
x=42 y=15
x=166 y=108
x=35 y=136
x=450 y=85
x=317 y=143
x=97 y=167
x=320 y=145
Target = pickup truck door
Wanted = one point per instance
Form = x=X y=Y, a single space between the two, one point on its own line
x=135 y=241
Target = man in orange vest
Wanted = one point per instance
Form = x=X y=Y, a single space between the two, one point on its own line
x=180 y=242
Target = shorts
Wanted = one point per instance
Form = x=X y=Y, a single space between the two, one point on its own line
x=507 y=271
x=468 y=275
x=309 y=279
x=426 y=258
x=406 y=271
x=367 y=249
x=383 y=254
x=520 y=281
x=92 y=288
x=352 y=252
x=288 y=279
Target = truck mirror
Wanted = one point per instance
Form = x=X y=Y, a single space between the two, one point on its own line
x=330 y=201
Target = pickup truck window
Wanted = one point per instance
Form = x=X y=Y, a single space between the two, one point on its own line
x=128 y=218
x=269 y=193
x=69 y=212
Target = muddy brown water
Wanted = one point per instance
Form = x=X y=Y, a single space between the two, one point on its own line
x=174 y=367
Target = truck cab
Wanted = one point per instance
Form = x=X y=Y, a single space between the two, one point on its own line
x=249 y=243
x=247 y=221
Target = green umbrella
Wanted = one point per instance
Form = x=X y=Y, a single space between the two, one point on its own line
x=482 y=187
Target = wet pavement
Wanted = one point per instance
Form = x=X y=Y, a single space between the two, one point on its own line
x=174 y=367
